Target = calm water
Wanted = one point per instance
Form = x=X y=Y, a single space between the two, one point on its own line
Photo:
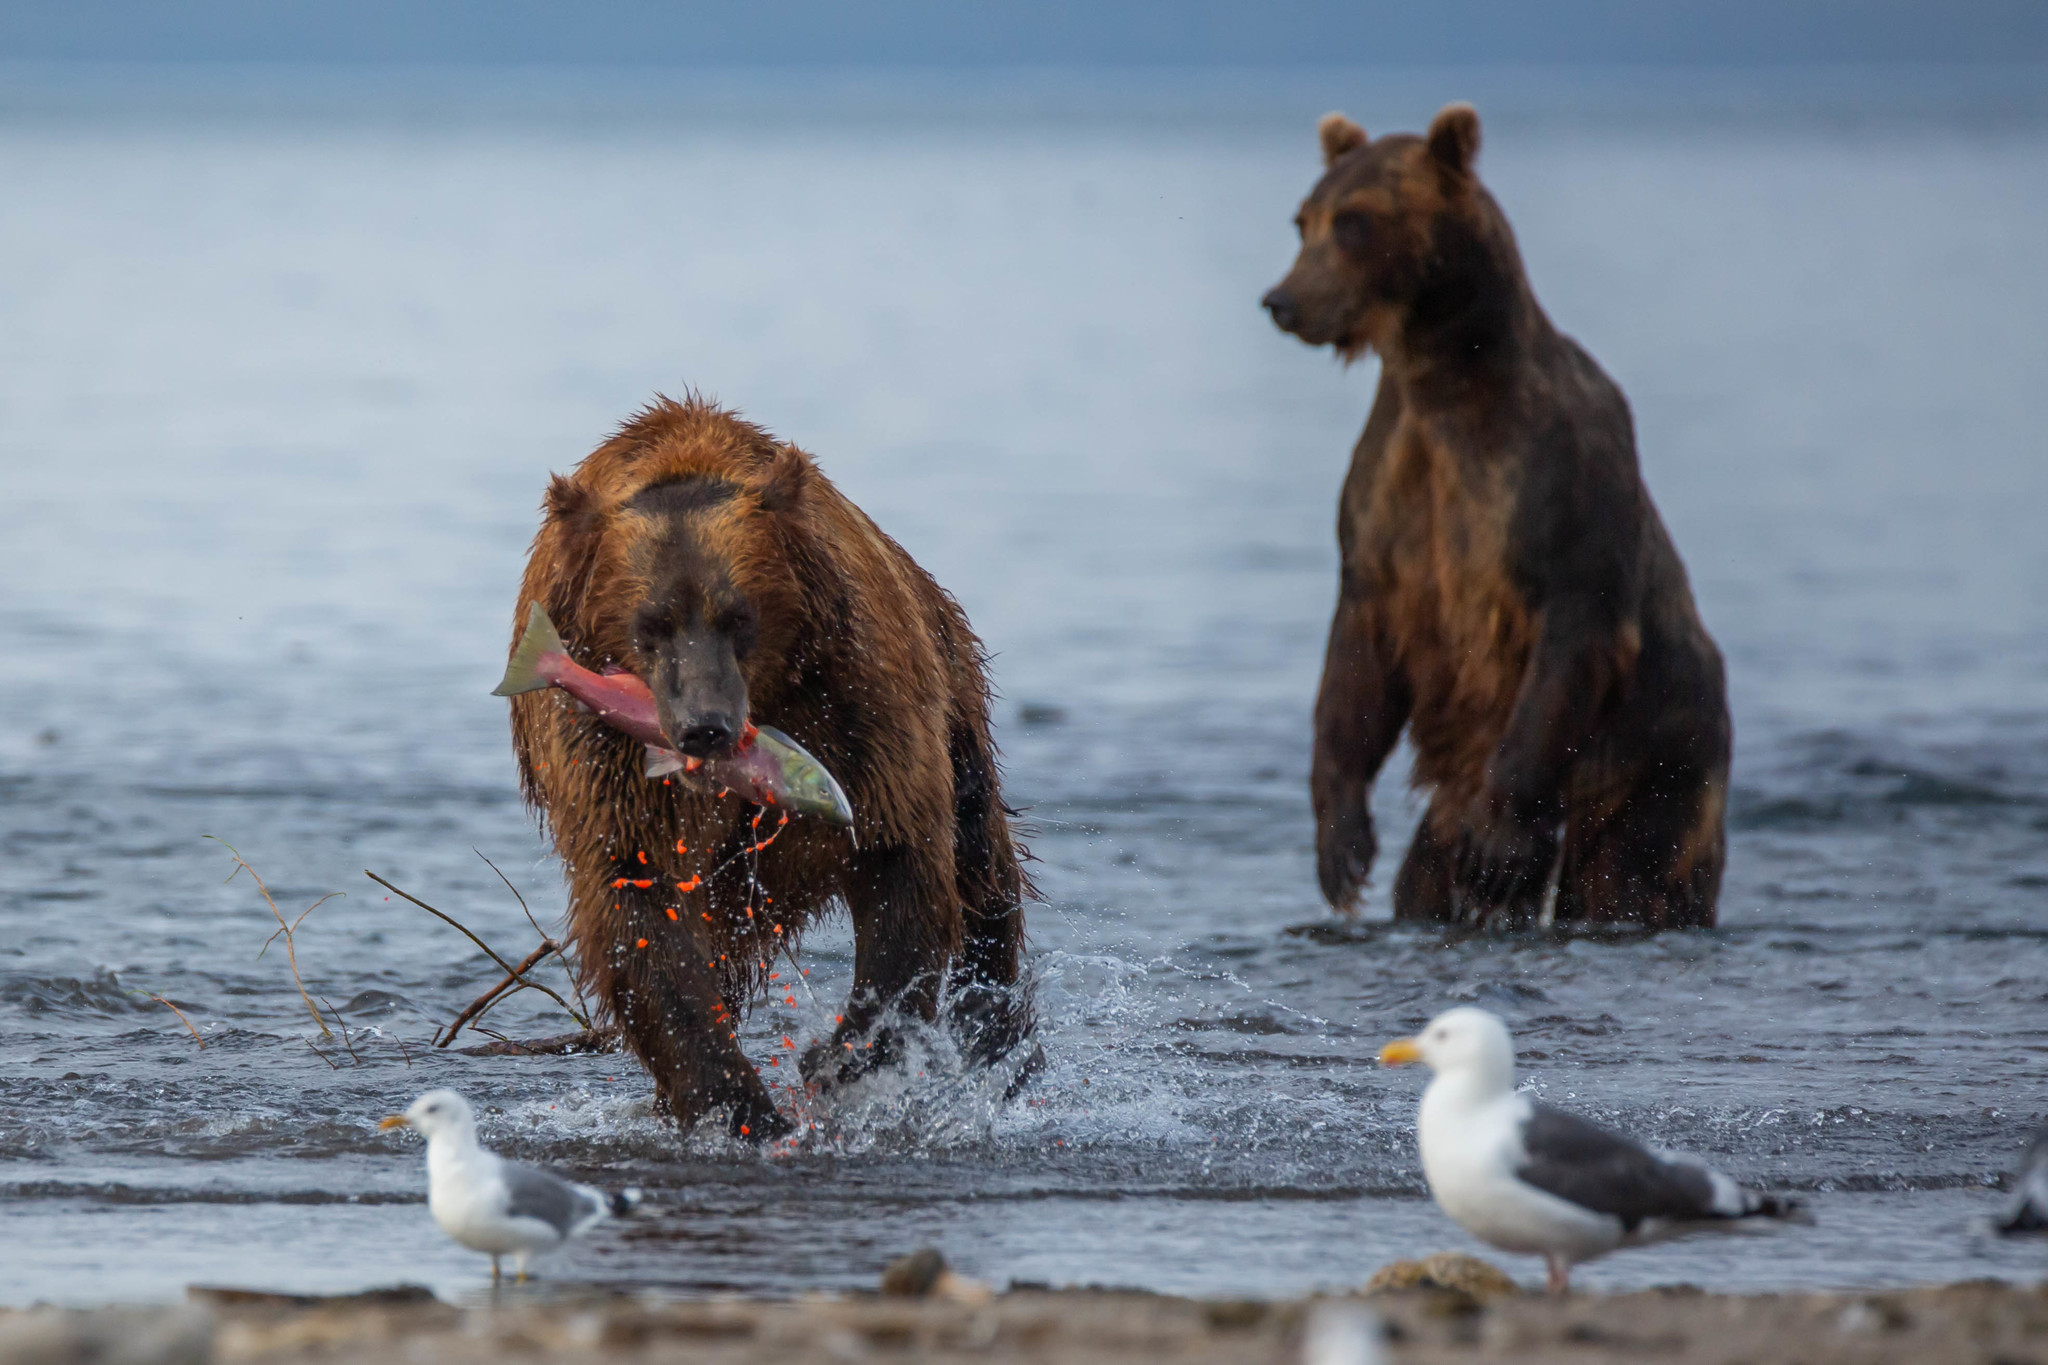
x=280 y=382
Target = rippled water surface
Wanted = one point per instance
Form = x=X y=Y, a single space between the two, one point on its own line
x=281 y=381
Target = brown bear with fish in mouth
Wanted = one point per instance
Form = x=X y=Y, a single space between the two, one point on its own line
x=1508 y=593
x=720 y=565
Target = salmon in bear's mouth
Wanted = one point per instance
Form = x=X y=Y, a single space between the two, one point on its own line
x=766 y=767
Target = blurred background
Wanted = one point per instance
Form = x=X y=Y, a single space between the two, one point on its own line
x=302 y=303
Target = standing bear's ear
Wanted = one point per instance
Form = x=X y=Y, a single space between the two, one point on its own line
x=782 y=483
x=1339 y=135
x=1454 y=138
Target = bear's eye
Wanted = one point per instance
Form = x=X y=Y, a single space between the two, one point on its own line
x=1353 y=232
x=740 y=626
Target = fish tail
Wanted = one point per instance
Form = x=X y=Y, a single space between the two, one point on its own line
x=522 y=672
x=661 y=762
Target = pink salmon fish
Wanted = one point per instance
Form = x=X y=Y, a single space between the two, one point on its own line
x=766 y=767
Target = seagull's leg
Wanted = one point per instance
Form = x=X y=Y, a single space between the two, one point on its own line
x=494 y=1267
x=1560 y=1272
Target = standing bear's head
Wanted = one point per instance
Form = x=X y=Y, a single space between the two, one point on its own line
x=686 y=532
x=1389 y=223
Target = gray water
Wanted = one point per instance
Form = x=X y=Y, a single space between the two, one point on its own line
x=282 y=376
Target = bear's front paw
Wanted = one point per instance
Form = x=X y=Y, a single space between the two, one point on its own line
x=848 y=1056
x=756 y=1119
x=1501 y=860
x=1345 y=847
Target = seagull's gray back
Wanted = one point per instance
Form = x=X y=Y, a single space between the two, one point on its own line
x=534 y=1193
x=1584 y=1164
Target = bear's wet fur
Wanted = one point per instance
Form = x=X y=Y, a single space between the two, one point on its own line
x=1508 y=594
x=693 y=533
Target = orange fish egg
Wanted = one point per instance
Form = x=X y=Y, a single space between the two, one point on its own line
x=643 y=884
x=641 y=855
x=786 y=1043
x=671 y=912
x=640 y=943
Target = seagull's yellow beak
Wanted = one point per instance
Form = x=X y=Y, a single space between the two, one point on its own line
x=395 y=1121
x=1400 y=1052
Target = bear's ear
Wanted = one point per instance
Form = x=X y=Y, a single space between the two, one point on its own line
x=565 y=500
x=783 y=481
x=1338 y=135
x=1454 y=138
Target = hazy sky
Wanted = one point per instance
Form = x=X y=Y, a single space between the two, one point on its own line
x=1027 y=32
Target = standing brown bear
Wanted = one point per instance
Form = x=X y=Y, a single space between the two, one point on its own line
x=719 y=565
x=1508 y=593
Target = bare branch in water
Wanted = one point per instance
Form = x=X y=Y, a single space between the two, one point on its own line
x=490 y=997
x=510 y=970
x=181 y=1019
x=342 y=1024
x=589 y=1040
x=575 y=987
x=331 y=1063
x=284 y=928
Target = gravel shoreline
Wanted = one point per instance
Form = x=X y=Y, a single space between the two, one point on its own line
x=1427 y=1323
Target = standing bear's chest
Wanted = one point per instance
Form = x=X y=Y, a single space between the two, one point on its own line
x=1438 y=543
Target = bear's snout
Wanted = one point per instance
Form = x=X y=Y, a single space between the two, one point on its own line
x=1286 y=312
x=713 y=734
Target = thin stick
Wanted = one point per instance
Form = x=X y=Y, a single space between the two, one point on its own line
x=291 y=953
x=450 y=920
x=483 y=1002
x=331 y=1063
x=342 y=1024
x=575 y=987
x=181 y=1019
x=522 y=986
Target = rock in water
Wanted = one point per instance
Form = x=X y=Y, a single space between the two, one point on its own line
x=1452 y=1270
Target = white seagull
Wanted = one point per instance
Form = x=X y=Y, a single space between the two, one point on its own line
x=2030 y=1205
x=1529 y=1178
x=493 y=1205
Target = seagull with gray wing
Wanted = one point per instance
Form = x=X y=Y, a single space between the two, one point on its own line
x=493 y=1205
x=1529 y=1178
x=2029 y=1211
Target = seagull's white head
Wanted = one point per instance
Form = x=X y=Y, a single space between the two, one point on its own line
x=1463 y=1042
x=438 y=1113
